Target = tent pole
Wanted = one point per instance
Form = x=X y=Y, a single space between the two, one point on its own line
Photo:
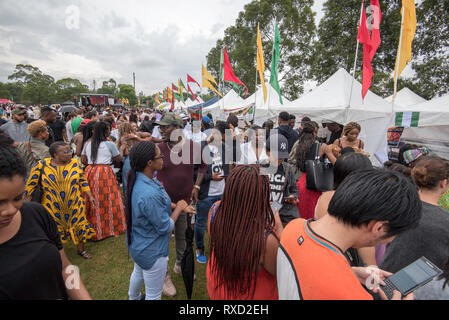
x=396 y=76
x=255 y=92
x=353 y=70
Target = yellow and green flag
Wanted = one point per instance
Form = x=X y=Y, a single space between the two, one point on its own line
x=208 y=81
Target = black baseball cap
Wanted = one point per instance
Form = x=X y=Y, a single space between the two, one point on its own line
x=278 y=145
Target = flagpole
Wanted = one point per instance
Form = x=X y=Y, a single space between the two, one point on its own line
x=255 y=91
x=353 y=70
x=398 y=60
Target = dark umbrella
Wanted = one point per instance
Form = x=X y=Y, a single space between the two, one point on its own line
x=187 y=262
x=67 y=109
x=68 y=103
x=117 y=105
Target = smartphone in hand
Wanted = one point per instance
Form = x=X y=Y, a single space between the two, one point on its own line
x=275 y=205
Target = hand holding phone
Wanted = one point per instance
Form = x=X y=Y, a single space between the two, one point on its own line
x=275 y=207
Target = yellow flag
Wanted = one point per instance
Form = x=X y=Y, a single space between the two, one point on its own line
x=207 y=79
x=408 y=33
x=261 y=64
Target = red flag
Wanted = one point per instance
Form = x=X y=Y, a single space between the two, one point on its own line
x=375 y=31
x=370 y=43
x=190 y=79
x=228 y=73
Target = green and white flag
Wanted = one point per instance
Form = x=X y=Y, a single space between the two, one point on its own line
x=407 y=119
x=276 y=56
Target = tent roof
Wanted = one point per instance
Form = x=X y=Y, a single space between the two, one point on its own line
x=230 y=100
x=329 y=101
x=406 y=97
x=432 y=113
x=272 y=98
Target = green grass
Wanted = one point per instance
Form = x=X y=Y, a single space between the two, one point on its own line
x=106 y=275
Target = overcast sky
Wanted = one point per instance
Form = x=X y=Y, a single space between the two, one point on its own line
x=160 y=41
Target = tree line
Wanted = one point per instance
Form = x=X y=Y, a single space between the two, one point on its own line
x=29 y=85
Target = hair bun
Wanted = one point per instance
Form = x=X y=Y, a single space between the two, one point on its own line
x=420 y=175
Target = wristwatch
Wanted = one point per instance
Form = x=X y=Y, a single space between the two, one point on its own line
x=197 y=187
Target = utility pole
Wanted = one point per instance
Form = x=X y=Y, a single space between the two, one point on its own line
x=95 y=85
x=134 y=81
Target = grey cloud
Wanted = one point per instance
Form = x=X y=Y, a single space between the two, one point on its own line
x=118 y=44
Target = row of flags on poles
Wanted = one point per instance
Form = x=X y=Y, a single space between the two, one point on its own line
x=371 y=42
x=173 y=93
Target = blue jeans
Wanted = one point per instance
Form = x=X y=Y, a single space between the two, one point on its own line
x=153 y=279
x=202 y=212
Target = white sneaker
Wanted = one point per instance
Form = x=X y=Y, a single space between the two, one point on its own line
x=169 y=289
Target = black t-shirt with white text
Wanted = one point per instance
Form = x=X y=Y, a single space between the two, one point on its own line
x=30 y=262
x=277 y=182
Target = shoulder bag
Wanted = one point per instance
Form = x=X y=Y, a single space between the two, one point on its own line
x=319 y=174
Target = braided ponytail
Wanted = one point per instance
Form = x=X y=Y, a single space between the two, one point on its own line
x=140 y=154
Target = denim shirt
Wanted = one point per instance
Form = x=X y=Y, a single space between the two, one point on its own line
x=151 y=222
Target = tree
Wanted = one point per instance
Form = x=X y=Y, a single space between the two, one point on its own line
x=109 y=87
x=297 y=28
x=127 y=91
x=4 y=92
x=337 y=40
x=67 y=88
x=16 y=91
x=38 y=88
x=431 y=49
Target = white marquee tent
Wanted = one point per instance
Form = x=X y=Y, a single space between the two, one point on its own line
x=433 y=124
x=334 y=100
x=431 y=113
x=266 y=109
x=406 y=97
x=230 y=100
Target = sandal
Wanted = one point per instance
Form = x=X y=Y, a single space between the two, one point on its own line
x=85 y=254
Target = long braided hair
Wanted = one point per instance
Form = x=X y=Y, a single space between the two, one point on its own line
x=237 y=238
x=140 y=154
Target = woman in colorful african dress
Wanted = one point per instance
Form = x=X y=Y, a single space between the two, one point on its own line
x=63 y=182
x=108 y=213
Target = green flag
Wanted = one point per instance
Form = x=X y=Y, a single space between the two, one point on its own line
x=221 y=66
x=274 y=63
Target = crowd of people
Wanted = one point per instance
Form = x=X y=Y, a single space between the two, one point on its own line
x=94 y=173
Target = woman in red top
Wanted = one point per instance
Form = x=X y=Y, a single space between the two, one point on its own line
x=244 y=239
x=306 y=151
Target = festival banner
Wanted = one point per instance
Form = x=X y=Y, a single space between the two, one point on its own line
x=245 y=113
